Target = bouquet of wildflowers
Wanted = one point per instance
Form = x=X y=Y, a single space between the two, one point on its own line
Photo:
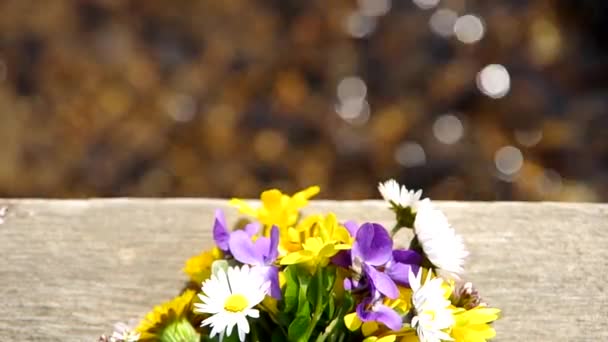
x=281 y=276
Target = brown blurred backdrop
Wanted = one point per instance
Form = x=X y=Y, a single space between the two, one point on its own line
x=467 y=99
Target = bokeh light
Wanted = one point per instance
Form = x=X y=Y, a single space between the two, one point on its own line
x=528 y=138
x=355 y=111
x=508 y=160
x=410 y=154
x=181 y=107
x=448 y=129
x=359 y=25
x=374 y=8
x=494 y=81
x=351 y=87
x=426 y=4
x=469 y=29
x=442 y=22
x=549 y=183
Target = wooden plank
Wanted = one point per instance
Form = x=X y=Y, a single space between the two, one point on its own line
x=70 y=269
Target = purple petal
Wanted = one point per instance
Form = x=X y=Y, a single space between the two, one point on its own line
x=342 y=259
x=407 y=256
x=399 y=272
x=382 y=282
x=273 y=252
x=273 y=276
x=243 y=249
x=252 y=228
x=262 y=246
x=352 y=227
x=379 y=313
x=373 y=244
x=220 y=233
x=348 y=284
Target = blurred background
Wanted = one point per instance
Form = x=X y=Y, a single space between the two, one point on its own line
x=466 y=99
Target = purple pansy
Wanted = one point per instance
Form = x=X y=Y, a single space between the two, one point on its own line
x=221 y=234
x=261 y=253
x=220 y=231
x=377 y=270
x=373 y=247
x=352 y=227
x=373 y=310
x=401 y=263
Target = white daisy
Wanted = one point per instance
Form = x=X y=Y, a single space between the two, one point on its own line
x=400 y=196
x=442 y=246
x=230 y=297
x=432 y=315
x=124 y=332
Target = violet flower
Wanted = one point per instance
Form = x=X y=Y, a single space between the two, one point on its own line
x=401 y=263
x=377 y=269
x=221 y=234
x=379 y=312
x=262 y=253
x=373 y=247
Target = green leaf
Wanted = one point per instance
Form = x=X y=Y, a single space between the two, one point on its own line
x=290 y=297
x=331 y=307
x=303 y=304
x=297 y=329
x=277 y=336
x=313 y=289
x=284 y=318
x=329 y=278
x=348 y=302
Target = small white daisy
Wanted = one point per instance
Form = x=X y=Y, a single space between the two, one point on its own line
x=124 y=332
x=442 y=246
x=230 y=297
x=433 y=315
x=400 y=196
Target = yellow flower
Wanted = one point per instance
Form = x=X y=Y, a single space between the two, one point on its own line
x=327 y=238
x=373 y=332
x=168 y=317
x=199 y=267
x=472 y=325
x=277 y=208
x=293 y=237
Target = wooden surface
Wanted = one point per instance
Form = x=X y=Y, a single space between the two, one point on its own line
x=70 y=269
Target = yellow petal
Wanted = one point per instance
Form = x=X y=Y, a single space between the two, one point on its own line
x=297 y=257
x=341 y=235
x=243 y=207
x=301 y=198
x=473 y=333
x=352 y=321
x=271 y=198
x=478 y=315
x=369 y=328
x=327 y=251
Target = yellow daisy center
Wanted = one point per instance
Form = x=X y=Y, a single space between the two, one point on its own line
x=235 y=303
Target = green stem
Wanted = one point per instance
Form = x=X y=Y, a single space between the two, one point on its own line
x=330 y=328
x=254 y=333
x=267 y=327
x=395 y=229
x=318 y=308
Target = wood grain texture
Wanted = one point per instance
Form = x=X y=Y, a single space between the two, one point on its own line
x=70 y=269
